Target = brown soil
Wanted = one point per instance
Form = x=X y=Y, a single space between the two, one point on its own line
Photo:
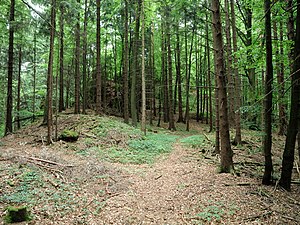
x=180 y=188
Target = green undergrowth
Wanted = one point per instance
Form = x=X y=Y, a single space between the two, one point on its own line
x=195 y=141
x=31 y=186
x=110 y=139
x=214 y=213
x=140 y=150
x=103 y=125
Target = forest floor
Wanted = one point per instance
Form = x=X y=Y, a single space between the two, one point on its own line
x=100 y=180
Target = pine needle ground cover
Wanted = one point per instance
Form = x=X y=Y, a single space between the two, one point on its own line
x=114 y=174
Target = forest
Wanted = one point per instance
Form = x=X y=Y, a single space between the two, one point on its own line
x=152 y=112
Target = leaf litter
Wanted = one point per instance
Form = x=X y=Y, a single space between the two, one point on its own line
x=69 y=183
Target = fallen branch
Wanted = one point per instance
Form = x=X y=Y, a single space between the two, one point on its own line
x=156 y=178
x=207 y=137
x=89 y=135
x=46 y=161
x=239 y=184
x=259 y=216
x=291 y=218
x=48 y=167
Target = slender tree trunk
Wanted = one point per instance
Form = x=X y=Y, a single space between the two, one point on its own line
x=237 y=83
x=280 y=78
x=50 y=74
x=165 y=85
x=9 y=100
x=98 y=61
x=187 y=113
x=230 y=80
x=126 y=65
x=143 y=122
x=84 y=59
x=290 y=31
x=178 y=74
x=19 y=90
x=153 y=72
x=293 y=127
x=209 y=75
x=135 y=65
x=170 y=72
x=267 y=143
x=186 y=70
x=61 y=59
x=152 y=76
x=226 y=152
x=104 y=77
x=34 y=76
x=197 y=83
x=77 y=65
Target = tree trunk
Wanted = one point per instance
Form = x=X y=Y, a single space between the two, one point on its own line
x=98 y=61
x=50 y=74
x=84 y=59
x=280 y=78
x=61 y=59
x=164 y=74
x=293 y=127
x=143 y=122
x=9 y=100
x=209 y=75
x=237 y=83
x=19 y=89
x=267 y=142
x=104 y=77
x=77 y=64
x=170 y=73
x=230 y=80
x=226 y=152
x=135 y=65
x=34 y=76
x=187 y=113
x=126 y=65
x=178 y=74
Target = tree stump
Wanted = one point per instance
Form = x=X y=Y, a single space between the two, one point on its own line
x=17 y=214
x=69 y=136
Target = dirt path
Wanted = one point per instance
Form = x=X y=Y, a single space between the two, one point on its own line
x=156 y=194
x=173 y=191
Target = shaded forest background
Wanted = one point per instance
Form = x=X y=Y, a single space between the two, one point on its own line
x=230 y=64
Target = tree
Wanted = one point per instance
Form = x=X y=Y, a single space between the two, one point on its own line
x=237 y=83
x=19 y=89
x=126 y=65
x=267 y=142
x=84 y=58
x=135 y=64
x=77 y=64
x=170 y=71
x=143 y=122
x=226 y=152
x=178 y=74
x=98 y=60
x=61 y=58
x=293 y=126
x=50 y=73
x=9 y=101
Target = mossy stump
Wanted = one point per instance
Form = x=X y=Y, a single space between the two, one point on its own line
x=69 y=136
x=17 y=214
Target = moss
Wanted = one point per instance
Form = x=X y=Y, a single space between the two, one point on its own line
x=69 y=136
x=17 y=214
